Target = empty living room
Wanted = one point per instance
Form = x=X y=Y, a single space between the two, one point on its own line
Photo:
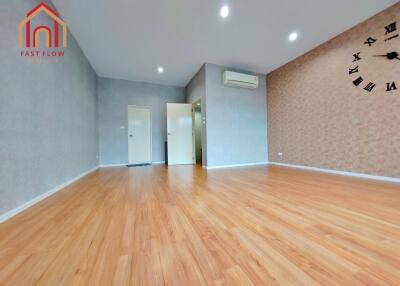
x=224 y=142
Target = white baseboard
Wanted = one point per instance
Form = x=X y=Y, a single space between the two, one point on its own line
x=113 y=165
x=235 y=166
x=41 y=197
x=343 y=173
x=125 y=164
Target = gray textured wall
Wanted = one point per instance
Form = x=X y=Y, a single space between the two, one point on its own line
x=48 y=132
x=195 y=90
x=236 y=121
x=114 y=96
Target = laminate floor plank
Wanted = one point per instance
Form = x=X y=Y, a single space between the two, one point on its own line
x=184 y=225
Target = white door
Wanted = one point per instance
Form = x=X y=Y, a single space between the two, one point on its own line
x=139 y=135
x=180 y=136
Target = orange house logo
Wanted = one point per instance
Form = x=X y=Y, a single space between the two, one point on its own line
x=52 y=34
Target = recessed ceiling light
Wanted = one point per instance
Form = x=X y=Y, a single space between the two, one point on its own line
x=293 y=37
x=224 y=11
x=160 y=69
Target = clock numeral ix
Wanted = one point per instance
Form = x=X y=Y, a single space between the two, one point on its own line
x=356 y=57
x=391 y=86
x=370 y=87
x=391 y=28
x=353 y=70
x=370 y=41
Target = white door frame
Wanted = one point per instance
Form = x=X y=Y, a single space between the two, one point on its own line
x=151 y=129
x=194 y=131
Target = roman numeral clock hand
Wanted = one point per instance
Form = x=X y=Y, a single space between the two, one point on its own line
x=390 y=56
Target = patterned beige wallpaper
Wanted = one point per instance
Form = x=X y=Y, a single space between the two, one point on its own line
x=316 y=115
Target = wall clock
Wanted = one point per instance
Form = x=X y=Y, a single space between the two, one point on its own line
x=374 y=55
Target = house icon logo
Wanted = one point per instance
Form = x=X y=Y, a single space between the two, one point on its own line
x=55 y=35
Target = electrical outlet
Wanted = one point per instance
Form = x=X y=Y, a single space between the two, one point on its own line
x=280 y=155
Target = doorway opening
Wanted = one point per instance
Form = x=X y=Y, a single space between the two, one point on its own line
x=197 y=130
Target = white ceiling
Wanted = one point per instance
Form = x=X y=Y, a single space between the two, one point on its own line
x=128 y=39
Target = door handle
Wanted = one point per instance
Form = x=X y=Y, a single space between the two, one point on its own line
x=169 y=133
x=130 y=135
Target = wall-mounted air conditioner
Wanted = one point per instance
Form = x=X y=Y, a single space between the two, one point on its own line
x=240 y=80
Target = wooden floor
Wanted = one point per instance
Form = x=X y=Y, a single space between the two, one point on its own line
x=187 y=226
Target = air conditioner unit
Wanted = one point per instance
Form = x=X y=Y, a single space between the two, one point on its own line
x=240 y=80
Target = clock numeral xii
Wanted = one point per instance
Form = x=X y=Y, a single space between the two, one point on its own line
x=391 y=28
